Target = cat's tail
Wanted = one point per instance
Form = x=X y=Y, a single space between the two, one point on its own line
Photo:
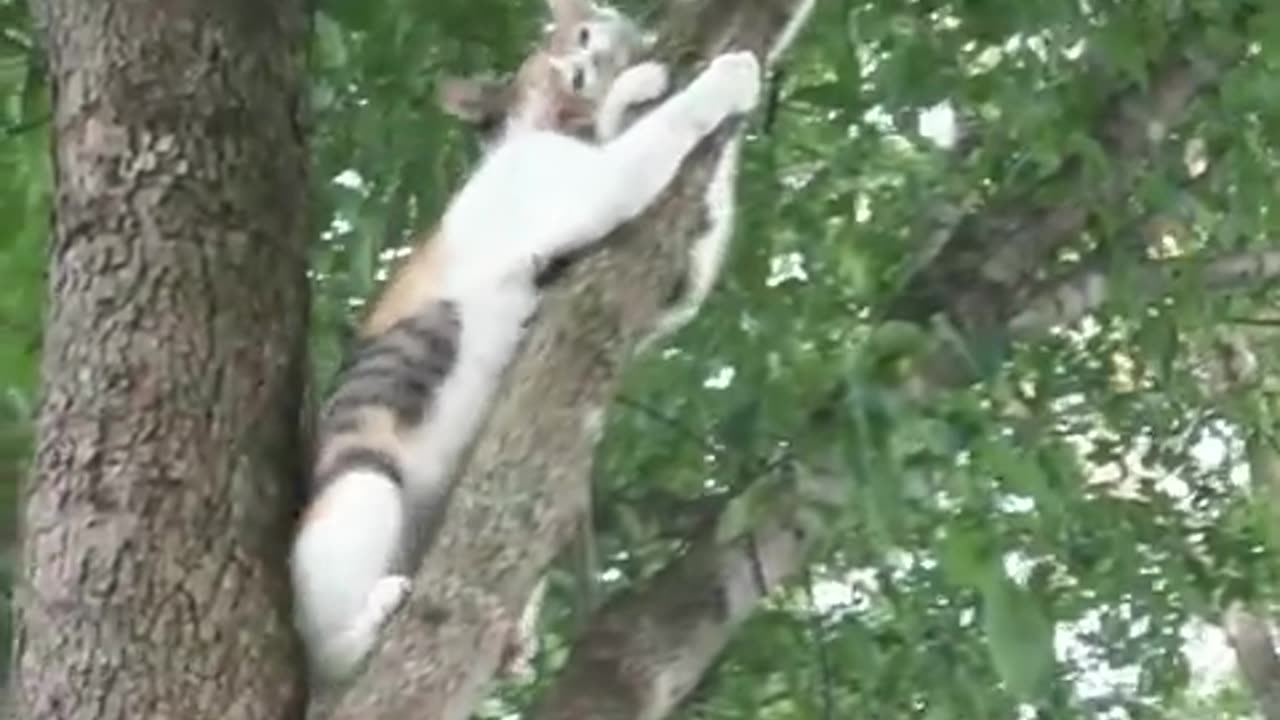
x=342 y=557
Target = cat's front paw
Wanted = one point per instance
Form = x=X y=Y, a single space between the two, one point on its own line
x=736 y=77
x=642 y=83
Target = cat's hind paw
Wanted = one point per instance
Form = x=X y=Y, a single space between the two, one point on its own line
x=339 y=656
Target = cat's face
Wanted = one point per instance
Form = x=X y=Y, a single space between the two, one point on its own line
x=559 y=85
x=591 y=45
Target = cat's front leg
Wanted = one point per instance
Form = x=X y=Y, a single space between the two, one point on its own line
x=626 y=175
x=637 y=84
x=637 y=166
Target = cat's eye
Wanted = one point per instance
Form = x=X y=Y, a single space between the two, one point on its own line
x=579 y=79
x=584 y=36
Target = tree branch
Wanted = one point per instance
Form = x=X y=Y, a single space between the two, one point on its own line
x=969 y=290
x=976 y=279
x=1247 y=630
x=646 y=650
x=1089 y=289
x=526 y=480
x=1250 y=638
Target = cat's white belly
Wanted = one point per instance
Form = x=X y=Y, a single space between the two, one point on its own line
x=491 y=331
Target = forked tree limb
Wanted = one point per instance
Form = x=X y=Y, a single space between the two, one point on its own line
x=644 y=651
x=989 y=268
x=995 y=253
x=526 y=480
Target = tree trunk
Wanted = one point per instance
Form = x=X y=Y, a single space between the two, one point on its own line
x=157 y=515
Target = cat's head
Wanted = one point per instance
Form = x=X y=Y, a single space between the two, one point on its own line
x=586 y=46
x=592 y=44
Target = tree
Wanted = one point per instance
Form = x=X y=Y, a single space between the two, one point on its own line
x=157 y=511
x=952 y=439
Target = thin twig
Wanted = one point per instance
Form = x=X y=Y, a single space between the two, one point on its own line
x=690 y=433
x=820 y=648
x=1256 y=322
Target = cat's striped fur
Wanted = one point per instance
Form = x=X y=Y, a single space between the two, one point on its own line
x=388 y=381
x=437 y=342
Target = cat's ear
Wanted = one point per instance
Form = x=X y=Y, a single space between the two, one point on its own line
x=569 y=12
x=475 y=100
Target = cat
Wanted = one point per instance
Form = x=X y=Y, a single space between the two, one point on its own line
x=590 y=46
x=434 y=347
x=599 y=29
x=616 y=42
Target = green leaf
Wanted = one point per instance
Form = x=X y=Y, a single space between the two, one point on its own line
x=331 y=45
x=964 y=556
x=1019 y=636
x=734 y=520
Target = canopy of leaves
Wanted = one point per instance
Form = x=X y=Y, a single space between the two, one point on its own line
x=1038 y=541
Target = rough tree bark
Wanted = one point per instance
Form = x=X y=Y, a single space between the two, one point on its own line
x=526 y=484
x=1250 y=636
x=156 y=516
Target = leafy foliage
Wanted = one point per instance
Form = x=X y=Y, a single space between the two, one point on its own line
x=24 y=206
x=1036 y=542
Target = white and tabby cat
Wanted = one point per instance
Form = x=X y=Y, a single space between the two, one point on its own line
x=614 y=42
x=435 y=345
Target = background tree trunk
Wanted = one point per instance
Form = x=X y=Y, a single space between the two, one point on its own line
x=157 y=514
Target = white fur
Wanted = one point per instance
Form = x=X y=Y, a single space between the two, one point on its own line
x=536 y=195
x=643 y=83
x=613 y=44
x=638 y=84
x=558 y=194
x=706 y=257
x=339 y=563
